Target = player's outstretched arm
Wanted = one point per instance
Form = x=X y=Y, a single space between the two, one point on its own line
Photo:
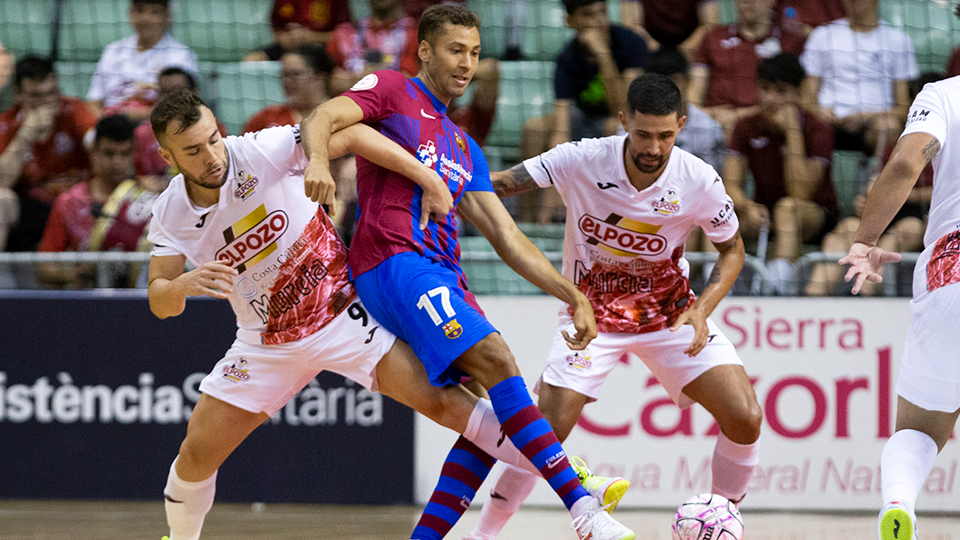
x=513 y=181
x=486 y=212
x=315 y=132
x=724 y=274
x=369 y=143
x=891 y=190
x=170 y=286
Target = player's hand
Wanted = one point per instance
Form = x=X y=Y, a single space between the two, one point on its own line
x=437 y=201
x=698 y=320
x=318 y=184
x=211 y=279
x=865 y=262
x=585 y=324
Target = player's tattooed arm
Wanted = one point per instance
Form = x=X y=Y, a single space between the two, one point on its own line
x=930 y=150
x=512 y=181
x=716 y=275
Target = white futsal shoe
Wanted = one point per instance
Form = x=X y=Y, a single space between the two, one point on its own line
x=897 y=522
x=596 y=524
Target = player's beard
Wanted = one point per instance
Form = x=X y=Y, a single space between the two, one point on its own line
x=206 y=183
x=644 y=167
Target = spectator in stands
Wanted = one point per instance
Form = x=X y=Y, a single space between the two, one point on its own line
x=788 y=151
x=679 y=24
x=860 y=68
x=108 y=212
x=152 y=171
x=592 y=74
x=701 y=135
x=126 y=76
x=904 y=234
x=297 y=23
x=387 y=39
x=41 y=149
x=305 y=76
x=802 y=16
x=723 y=79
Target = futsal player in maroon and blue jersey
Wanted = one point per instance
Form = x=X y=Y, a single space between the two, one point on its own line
x=404 y=259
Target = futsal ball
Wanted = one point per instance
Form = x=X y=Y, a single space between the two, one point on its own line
x=707 y=517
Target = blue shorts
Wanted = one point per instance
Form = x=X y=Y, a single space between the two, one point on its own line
x=424 y=304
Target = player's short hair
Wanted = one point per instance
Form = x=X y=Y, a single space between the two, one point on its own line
x=33 y=68
x=436 y=16
x=573 y=5
x=784 y=67
x=667 y=61
x=654 y=94
x=181 y=106
x=957 y=11
x=117 y=128
x=316 y=58
x=173 y=70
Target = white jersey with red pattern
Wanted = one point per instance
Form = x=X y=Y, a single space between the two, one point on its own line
x=623 y=248
x=292 y=264
x=935 y=111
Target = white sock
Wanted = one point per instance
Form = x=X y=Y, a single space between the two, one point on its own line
x=187 y=504
x=905 y=464
x=483 y=430
x=513 y=487
x=732 y=467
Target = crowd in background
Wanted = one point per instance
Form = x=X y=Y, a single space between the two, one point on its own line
x=768 y=98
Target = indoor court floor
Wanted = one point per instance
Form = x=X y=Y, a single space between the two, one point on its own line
x=52 y=520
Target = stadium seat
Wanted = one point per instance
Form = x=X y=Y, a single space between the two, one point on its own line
x=74 y=78
x=545 y=30
x=26 y=27
x=88 y=26
x=845 y=168
x=931 y=26
x=242 y=88
x=526 y=90
x=216 y=30
x=223 y=30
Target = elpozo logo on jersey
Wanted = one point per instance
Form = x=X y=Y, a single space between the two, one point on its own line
x=253 y=238
x=247 y=188
x=621 y=236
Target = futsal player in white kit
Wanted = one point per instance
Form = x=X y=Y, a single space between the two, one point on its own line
x=631 y=202
x=239 y=213
x=928 y=385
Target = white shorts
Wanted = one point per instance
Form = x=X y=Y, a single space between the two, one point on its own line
x=662 y=352
x=930 y=368
x=262 y=378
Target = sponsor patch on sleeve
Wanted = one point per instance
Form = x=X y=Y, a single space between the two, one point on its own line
x=366 y=83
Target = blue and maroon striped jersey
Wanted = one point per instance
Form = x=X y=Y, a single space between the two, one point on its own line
x=388 y=223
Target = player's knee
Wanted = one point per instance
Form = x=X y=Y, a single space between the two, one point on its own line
x=746 y=428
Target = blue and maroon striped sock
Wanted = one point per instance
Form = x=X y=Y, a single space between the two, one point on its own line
x=532 y=434
x=464 y=471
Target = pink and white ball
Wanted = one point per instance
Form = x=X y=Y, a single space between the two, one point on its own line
x=707 y=517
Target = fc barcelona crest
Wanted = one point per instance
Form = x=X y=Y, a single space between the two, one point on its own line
x=460 y=142
x=453 y=329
